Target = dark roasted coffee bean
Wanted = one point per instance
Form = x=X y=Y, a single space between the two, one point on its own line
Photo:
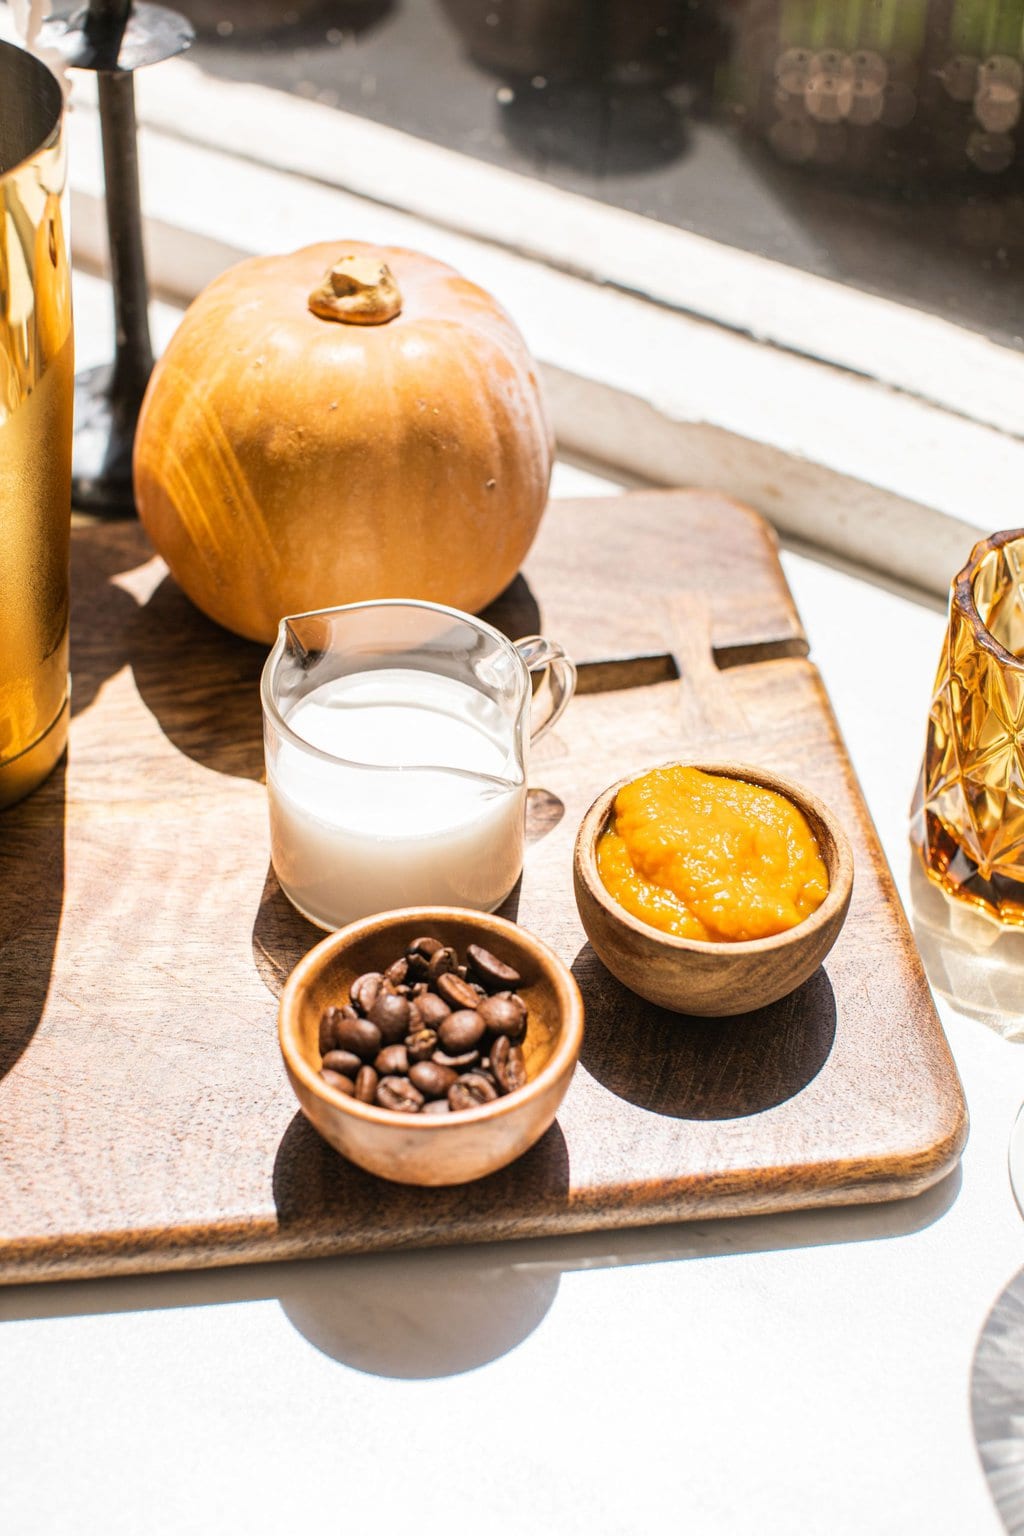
x=398 y=1093
x=329 y=1021
x=432 y=1079
x=345 y=1062
x=493 y=973
x=502 y=1016
x=391 y=1016
x=456 y=992
x=420 y=989
x=424 y=947
x=364 y=990
x=366 y=1085
x=337 y=1081
x=436 y=1107
x=508 y=1065
x=461 y=1031
x=442 y=961
x=462 y=970
x=398 y=971
x=421 y=1045
x=358 y=1036
x=471 y=1091
x=457 y=1063
x=418 y=956
x=432 y=1009
x=392 y=1061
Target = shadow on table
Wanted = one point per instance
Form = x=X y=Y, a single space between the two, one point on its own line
x=703 y=1069
x=438 y=1312
x=280 y=935
x=396 y=1327
x=32 y=875
x=208 y=702
x=997 y=1403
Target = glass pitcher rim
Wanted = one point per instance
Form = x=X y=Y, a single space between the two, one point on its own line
x=962 y=596
x=270 y=706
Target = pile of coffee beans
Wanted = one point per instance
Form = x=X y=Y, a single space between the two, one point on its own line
x=431 y=1035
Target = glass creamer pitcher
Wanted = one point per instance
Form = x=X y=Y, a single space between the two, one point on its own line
x=396 y=738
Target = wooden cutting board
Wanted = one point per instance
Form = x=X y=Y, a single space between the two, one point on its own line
x=146 y=1120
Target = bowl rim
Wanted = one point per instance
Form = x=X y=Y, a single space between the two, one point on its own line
x=839 y=889
x=564 y=1055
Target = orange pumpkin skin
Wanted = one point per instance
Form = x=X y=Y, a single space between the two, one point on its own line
x=285 y=462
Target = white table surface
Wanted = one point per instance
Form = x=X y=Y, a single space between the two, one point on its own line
x=802 y=1374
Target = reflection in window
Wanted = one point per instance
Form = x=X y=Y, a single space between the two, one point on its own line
x=873 y=141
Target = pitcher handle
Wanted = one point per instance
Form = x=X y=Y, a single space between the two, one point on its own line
x=540 y=655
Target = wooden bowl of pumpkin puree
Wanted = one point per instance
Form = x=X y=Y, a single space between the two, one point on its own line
x=711 y=888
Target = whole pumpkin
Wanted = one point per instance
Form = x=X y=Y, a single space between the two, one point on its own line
x=310 y=440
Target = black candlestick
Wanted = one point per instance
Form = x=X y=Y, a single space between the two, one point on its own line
x=114 y=38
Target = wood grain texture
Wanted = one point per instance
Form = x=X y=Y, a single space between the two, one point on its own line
x=147 y=1121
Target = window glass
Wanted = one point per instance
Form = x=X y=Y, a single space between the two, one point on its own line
x=877 y=142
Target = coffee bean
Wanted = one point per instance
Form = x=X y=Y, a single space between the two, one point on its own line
x=508 y=1065
x=418 y=955
x=424 y=947
x=432 y=1079
x=398 y=1093
x=392 y=1061
x=441 y=1036
x=329 y=1021
x=421 y=1045
x=470 y=1092
x=358 y=1036
x=337 y=1081
x=366 y=1085
x=391 y=1016
x=502 y=1016
x=461 y=1031
x=442 y=962
x=457 y=1063
x=493 y=973
x=345 y=1062
x=432 y=1009
x=364 y=990
x=456 y=992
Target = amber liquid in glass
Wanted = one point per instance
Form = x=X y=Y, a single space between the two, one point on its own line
x=967 y=820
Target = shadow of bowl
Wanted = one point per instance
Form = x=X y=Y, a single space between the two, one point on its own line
x=389 y=1320
x=697 y=1068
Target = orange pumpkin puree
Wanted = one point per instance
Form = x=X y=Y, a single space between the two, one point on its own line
x=707 y=857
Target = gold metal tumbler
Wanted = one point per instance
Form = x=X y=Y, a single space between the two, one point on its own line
x=36 y=398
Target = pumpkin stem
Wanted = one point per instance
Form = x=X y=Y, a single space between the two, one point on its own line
x=359 y=290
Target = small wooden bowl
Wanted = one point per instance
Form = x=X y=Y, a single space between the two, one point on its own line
x=692 y=975
x=414 y=1149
